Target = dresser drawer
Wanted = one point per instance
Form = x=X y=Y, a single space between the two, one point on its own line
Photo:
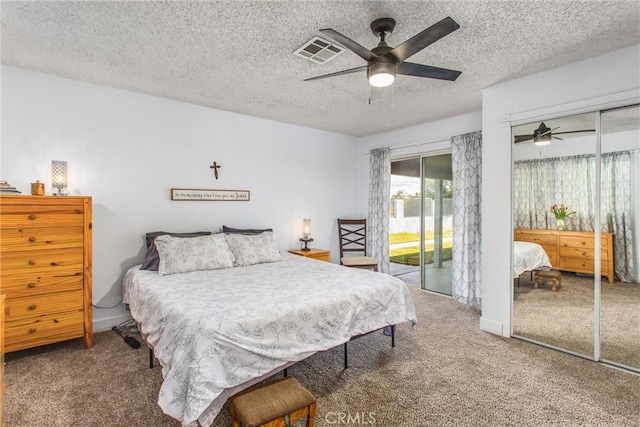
x=32 y=284
x=582 y=242
x=551 y=250
x=31 y=238
x=582 y=265
x=47 y=329
x=539 y=238
x=41 y=260
x=25 y=216
x=33 y=307
x=587 y=253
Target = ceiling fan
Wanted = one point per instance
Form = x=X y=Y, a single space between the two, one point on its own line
x=543 y=135
x=384 y=62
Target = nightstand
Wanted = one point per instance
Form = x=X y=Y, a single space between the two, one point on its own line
x=319 y=254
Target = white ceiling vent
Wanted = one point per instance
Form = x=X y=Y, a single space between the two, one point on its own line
x=319 y=50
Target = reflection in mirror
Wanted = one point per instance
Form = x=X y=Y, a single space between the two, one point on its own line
x=554 y=222
x=620 y=199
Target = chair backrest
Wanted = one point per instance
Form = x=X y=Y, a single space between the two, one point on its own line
x=353 y=236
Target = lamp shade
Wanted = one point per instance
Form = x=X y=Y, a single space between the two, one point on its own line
x=306 y=227
x=59 y=171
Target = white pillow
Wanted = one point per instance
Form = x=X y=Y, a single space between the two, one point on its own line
x=180 y=255
x=253 y=249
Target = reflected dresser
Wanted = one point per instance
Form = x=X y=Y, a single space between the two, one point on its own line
x=572 y=250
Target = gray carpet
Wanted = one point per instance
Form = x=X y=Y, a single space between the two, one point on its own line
x=446 y=372
x=566 y=318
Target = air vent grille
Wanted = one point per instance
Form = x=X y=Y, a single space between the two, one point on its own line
x=319 y=50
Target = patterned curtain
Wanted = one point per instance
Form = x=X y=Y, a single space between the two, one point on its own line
x=467 y=167
x=570 y=181
x=379 y=192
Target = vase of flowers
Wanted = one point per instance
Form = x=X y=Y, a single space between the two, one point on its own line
x=561 y=212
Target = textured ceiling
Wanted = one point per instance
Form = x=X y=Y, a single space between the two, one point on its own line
x=237 y=55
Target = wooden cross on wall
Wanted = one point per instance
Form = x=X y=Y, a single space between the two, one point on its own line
x=215 y=168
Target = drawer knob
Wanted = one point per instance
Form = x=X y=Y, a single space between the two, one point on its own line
x=32 y=307
x=32 y=217
x=32 y=239
x=32 y=262
x=31 y=285
x=32 y=330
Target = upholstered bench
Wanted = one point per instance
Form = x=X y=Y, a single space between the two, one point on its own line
x=274 y=405
x=553 y=277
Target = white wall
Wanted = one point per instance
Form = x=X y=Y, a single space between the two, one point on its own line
x=567 y=89
x=440 y=131
x=127 y=150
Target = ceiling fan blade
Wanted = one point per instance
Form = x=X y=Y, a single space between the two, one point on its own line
x=575 y=131
x=418 y=70
x=424 y=38
x=339 y=73
x=345 y=41
x=522 y=138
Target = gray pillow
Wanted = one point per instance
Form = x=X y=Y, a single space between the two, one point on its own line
x=152 y=260
x=245 y=231
x=181 y=255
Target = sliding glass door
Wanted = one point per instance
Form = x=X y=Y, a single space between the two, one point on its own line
x=420 y=225
x=437 y=223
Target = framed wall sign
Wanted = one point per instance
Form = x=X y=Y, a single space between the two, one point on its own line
x=210 y=195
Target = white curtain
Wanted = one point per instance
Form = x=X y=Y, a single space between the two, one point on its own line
x=540 y=183
x=466 y=161
x=379 y=193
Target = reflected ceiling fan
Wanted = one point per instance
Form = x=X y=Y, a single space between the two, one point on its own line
x=543 y=135
x=384 y=62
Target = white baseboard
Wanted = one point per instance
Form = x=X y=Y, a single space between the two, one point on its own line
x=107 y=323
x=491 y=326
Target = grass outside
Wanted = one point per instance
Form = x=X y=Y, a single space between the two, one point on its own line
x=415 y=237
x=411 y=255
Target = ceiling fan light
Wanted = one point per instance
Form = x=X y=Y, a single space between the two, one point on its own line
x=542 y=140
x=382 y=74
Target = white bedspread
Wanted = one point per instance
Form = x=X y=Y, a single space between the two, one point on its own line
x=213 y=330
x=528 y=256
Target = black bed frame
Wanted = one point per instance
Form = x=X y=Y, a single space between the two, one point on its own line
x=346 y=353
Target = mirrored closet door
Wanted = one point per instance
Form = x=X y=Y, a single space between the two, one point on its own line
x=620 y=200
x=575 y=193
x=554 y=220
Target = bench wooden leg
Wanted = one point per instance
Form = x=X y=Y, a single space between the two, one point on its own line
x=312 y=414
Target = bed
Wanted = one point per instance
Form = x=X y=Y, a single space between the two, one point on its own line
x=215 y=332
x=528 y=257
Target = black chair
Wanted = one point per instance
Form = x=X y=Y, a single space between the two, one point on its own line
x=353 y=239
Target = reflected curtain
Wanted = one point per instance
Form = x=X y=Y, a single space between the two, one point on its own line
x=541 y=183
x=466 y=161
x=378 y=218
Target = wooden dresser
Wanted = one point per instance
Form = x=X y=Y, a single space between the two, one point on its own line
x=2 y=407
x=572 y=250
x=319 y=254
x=45 y=269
